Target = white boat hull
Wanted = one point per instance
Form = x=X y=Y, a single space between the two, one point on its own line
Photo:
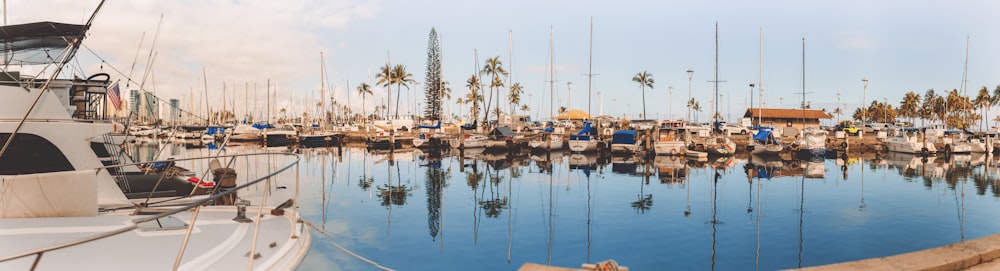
x=671 y=148
x=583 y=145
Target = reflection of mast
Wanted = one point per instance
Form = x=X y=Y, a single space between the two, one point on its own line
x=802 y=201
x=588 y=215
x=687 y=182
x=961 y=211
x=551 y=223
x=510 y=213
x=714 y=222
x=757 y=250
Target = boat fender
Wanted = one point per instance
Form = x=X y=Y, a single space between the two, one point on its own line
x=843 y=144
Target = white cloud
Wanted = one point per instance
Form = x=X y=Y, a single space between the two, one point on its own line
x=235 y=41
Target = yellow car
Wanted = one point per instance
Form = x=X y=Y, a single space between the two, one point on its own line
x=850 y=129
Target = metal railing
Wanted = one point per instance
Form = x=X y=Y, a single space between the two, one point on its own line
x=194 y=205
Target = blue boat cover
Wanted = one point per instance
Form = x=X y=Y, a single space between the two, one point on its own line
x=585 y=130
x=470 y=126
x=579 y=137
x=549 y=128
x=762 y=134
x=437 y=126
x=623 y=137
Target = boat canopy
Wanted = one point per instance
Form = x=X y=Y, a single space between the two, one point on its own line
x=38 y=43
x=437 y=126
x=623 y=137
x=585 y=130
x=550 y=127
x=762 y=135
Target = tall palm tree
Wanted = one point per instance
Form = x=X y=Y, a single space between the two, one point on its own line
x=402 y=79
x=909 y=107
x=364 y=89
x=927 y=111
x=494 y=68
x=515 y=95
x=525 y=108
x=385 y=79
x=838 y=112
x=644 y=79
x=983 y=102
x=697 y=108
x=474 y=97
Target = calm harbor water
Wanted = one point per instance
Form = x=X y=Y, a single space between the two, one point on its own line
x=416 y=211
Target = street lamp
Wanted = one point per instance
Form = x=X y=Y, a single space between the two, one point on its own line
x=885 y=109
x=690 y=73
x=670 y=92
x=751 y=104
x=864 y=109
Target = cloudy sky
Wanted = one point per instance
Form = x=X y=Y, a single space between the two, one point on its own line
x=899 y=46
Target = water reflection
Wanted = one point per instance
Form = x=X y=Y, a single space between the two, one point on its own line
x=563 y=208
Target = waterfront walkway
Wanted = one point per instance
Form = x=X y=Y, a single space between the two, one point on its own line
x=977 y=254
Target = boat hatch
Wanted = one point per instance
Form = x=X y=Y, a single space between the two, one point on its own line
x=163 y=224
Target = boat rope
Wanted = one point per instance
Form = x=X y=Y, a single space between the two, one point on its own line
x=345 y=250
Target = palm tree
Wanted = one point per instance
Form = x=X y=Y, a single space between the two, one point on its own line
x=838 y=112
x=515 y=95
x=402 y=79
x=562 y=109
x=385 y=79
x=927 y=111
x=644 y=79
x=364 y=89
x=525 y=108
x=697 y=108
x=474 y=97
x=910 y=106
x=495 y=69
x=983 y=102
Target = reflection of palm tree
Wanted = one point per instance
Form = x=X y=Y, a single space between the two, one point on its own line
x=644 y=79
x=644 y=201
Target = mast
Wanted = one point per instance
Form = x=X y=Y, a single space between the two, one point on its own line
x=590 y=68
x=322 y=91
x=552 y=71
x=715 y=85
x=760 y=77
x=965 y=82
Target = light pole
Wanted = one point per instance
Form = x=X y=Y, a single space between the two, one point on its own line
x=690 y=73
x=840 y=111
x=670 y=92
x=864 y=93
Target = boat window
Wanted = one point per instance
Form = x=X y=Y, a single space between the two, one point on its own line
x=29 y=153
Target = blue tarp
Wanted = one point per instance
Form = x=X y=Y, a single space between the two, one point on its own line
x=762 y=134
x=585 y=130
x=262 y=126
x=623 y=137
x=549 y=128
x=579 y=137
x=437 y=126
x=470 y=126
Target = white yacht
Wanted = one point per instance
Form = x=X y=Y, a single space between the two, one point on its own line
x=812 y=142
x=58 y=199
x=670 y=140
x=913 y=142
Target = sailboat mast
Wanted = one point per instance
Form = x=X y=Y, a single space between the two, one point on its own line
x=322 y=91
x=760 y=76
x=715 y=84
x=590 y=68
x=803 y=74
x=965 y=80
x=552 y=71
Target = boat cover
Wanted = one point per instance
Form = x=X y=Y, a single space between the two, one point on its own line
x=623 y=137
x=762 y=135
x=470 y=126
x=437 y=126
x=549 y=128
x=585 y=130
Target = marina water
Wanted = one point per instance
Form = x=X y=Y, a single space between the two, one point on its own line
x=425 y=211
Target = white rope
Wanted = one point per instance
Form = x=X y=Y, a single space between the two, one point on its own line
x=345 y=250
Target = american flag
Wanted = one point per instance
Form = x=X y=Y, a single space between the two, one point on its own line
x=115 y=96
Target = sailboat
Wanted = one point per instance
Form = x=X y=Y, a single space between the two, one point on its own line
x=546 y=140
x=587 y=139
x=719 y=143
x=319 y=136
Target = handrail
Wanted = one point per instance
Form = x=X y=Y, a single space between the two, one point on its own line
x=134 y=223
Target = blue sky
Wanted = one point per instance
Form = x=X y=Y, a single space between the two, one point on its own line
x=900 y=46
